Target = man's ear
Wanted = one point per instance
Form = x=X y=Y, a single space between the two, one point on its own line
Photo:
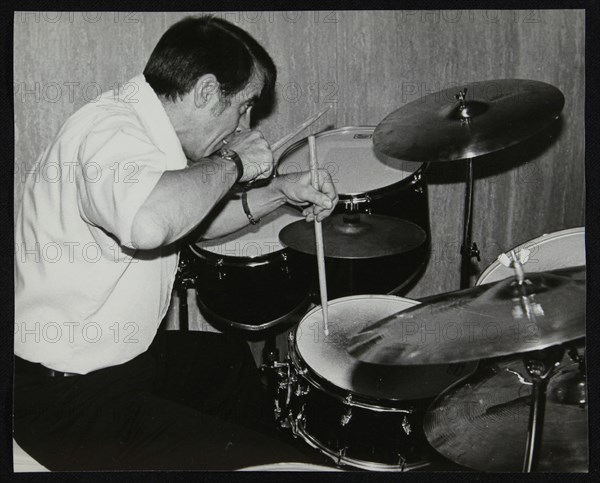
x=206 y=89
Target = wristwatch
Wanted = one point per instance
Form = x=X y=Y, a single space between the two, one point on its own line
x=231 y=155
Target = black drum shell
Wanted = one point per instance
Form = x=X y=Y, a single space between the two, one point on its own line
x=249 y=293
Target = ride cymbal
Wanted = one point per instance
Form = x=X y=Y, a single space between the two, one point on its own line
x=486 y=321
x=453 y=124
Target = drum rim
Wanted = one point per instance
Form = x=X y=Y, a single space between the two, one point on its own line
x=320 y=382
x=248 y=327
x=544 y=237
x=376 y=193
x=233 y=261
x=349 y=461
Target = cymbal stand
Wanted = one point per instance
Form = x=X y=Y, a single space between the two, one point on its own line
x=539 y=365
x=468 y=248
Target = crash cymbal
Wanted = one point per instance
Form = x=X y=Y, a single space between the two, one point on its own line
x=491 y=115
x=356 y=236
x=482 y=422
x=486 y=321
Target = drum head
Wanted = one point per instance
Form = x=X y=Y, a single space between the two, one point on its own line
x=328 y=358
x=348 y=154
x=254 y=240
x=561 y=249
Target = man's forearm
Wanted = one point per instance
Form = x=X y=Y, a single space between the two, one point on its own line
x=229 y=216
x=180 y=201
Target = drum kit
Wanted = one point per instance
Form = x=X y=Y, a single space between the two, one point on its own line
x=491 y=377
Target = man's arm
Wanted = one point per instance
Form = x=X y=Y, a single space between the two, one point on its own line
x=182 y=199
x=229 y=216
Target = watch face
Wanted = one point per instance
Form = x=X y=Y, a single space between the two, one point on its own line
x=227 y=153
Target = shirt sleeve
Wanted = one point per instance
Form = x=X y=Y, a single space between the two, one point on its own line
x=119 y=168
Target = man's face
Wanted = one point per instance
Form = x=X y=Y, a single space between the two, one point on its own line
x=219 y=117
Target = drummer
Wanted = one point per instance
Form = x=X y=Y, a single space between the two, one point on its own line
x=96 y=386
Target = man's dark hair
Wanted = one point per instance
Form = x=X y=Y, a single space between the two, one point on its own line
x=196 y=46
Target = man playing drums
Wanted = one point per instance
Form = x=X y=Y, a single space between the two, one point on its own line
x=96 y=386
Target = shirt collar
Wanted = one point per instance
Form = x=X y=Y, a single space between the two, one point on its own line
x=154 y=117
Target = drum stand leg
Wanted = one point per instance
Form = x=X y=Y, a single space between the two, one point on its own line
x=183 y=308
x=468 y=248
x=539 y=366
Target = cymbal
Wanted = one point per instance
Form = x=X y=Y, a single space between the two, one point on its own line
x=494 y=115
x=355 y=236
x=486 y=321
x=482 y=422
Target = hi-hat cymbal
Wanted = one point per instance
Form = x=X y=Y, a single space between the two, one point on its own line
x=355 y=236
x=482 y=422
x=490 y=320
x=494 y=115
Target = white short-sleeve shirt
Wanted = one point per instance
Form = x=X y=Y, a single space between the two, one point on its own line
x=84 y=297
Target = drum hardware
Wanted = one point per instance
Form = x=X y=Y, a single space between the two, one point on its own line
x=220 y=263
x=539 y=365
x=184 y=280
x=499 y=113
x=462 y=321
x=493 y=419
x=468 y=248
x=353 y=204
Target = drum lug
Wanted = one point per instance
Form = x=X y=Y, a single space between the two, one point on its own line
x=348 y=400
x=346 y=417
x=341 y=455
x=220 y=263
x=302 y=392
x=300 y=419
x=401 y=462
x=285 y=269
x=406 y=426
x=353 y=205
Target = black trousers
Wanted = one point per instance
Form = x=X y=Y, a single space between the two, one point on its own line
x=192 y=401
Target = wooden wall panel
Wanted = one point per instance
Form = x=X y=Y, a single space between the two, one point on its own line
x=365 y=64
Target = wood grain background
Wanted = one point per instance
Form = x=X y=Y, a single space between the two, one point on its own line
x=366 y=64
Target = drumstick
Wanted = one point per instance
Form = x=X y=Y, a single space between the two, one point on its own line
x=314 y=175
x=280 y=142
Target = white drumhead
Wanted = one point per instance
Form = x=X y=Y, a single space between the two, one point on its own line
x=561 y=249
x=348 y=155
x=327 y=355
x=254 y=240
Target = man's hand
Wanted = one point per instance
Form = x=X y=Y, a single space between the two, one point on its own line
x=298 y=191
x=255 y=153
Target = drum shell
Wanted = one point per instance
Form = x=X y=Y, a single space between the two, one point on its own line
x=406 y=199
x=382 y=275
x=250 y=293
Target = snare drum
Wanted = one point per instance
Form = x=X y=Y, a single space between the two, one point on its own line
x=561 y=249
x=362 y=415
x=247 y=280
x=367 y=182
